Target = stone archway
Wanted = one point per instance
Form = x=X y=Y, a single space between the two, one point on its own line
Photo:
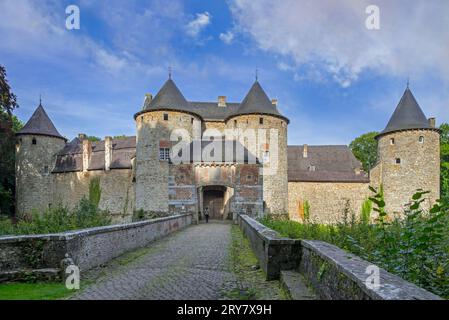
x=217 y=199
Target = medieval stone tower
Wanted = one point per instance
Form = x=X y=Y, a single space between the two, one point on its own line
x=37 y=145
x=258 y=115
x=155 y=123
x=408 y=156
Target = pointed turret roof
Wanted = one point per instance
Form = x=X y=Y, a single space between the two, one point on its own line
x=257 y=102
x=407 y=115
x=40 y=124
x=168 y=97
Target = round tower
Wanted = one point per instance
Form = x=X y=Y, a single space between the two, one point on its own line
x=37 y=145
x=408 y=156
x=263 y=131
x=156 y=124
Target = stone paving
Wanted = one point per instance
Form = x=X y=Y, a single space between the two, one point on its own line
x=190 y=264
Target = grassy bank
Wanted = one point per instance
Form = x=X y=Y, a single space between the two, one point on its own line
x=33 y=291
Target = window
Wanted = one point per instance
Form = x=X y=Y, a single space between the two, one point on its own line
x=164 y=154
x=421 y=139
x=397 y=160
x=191 y=120
x=249 y=177
x=392 y=141
x=34 y=141
x=45 y=169
x=165 y=116
x=260 y=120
x=235 y=123
x=312 y=168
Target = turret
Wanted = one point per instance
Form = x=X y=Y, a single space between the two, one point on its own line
x=408 y=156
x=164 y=113
x=37 y=145
x=260 y=115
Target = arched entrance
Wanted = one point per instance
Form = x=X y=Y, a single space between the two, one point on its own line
x=216 y=199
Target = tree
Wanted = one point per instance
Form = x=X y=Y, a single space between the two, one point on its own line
x=444 y=152
x=9 y=125
x=364 y=149
x=8 y=100
x=93 y=138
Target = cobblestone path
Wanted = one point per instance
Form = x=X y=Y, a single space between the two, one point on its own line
x=190 y=264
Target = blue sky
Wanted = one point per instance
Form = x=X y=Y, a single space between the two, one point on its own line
x=334 y=78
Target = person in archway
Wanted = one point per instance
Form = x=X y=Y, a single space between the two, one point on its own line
x=206 y=214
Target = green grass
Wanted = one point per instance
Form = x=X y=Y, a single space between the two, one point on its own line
x=33 y=291
x=252 y=283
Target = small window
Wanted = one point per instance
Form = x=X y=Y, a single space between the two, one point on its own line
x=421 y=139
x=249 y=177
x=392 y=141
x=397 y=160
x=164 y=154
x=191 y=120
x=311 y=168
x=235 y=123
x=165 y=116
x=45 y=169
x=260 y=120
x=34 y=141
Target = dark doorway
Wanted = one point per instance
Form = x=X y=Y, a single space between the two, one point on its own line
x=214 y=200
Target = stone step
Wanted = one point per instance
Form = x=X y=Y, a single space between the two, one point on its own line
x=295 y=286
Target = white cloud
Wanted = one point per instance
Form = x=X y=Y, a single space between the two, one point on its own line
x=195 y=26
x=227 y=37
x=331 y=37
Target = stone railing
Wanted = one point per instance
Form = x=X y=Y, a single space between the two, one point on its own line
x=274 y=253
x=332 y=272
x=41 y=255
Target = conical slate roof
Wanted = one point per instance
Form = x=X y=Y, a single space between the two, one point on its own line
x=257 y=101
x=169 y=97
x=40 y=124
x=407 y=115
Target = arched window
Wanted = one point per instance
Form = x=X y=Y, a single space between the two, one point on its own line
x=421 y=139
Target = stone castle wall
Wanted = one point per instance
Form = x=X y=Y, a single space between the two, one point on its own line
x=34 y=163
x=327 y=200
x=419 y=167
x=275 y=171
x=152 y=175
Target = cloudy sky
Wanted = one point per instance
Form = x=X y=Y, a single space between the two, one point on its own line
x=334 y=78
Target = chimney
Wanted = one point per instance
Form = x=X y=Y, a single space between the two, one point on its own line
x=82 y=136
x=107 y=153
x=87 y=151
x=432 y=122
x=304 y=151
x=222 y=101
x=274 y=102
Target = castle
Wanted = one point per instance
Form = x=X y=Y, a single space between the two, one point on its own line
x=227 y=157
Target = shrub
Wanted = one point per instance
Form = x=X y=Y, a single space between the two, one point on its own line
x=415 y=247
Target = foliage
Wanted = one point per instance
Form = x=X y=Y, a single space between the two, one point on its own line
x=444 y=151
x=365 y=212
x=57 y=219
x=415 y=246
x=120 y=137
x=9 y=125
x=95 y=191
x=93 y=138
x=364 y=149
x=306 y=210
x=8 y=100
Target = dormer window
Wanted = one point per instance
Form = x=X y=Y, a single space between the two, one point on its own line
x=421 y=139
x=392 y=141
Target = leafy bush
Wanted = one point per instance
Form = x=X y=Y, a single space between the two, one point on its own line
x=58 y=219
x=415 y=247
